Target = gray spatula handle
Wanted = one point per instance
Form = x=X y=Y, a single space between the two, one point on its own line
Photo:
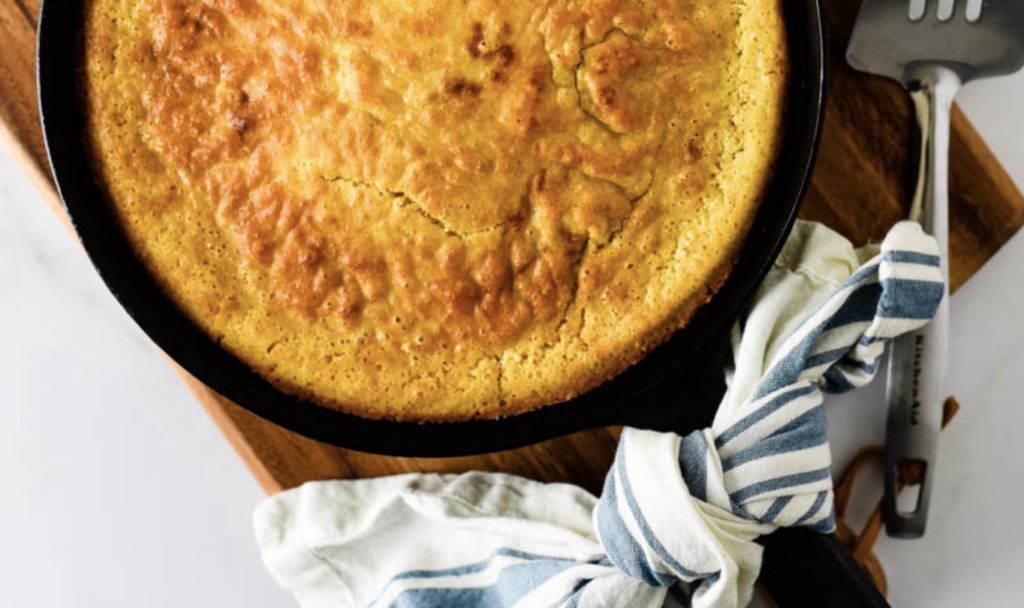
x=917 y=363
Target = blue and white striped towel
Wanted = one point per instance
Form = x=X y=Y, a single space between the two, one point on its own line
x=678 y=515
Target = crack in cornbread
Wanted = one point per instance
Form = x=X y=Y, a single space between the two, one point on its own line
x=428 y=210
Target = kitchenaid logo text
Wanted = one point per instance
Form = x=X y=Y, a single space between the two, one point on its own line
x=915 y=406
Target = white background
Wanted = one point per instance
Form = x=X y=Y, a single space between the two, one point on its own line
x=116 y=490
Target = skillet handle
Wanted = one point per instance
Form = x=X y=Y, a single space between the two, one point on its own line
x=801 y=567
x=806 y=568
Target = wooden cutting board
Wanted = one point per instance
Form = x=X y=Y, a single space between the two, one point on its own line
x=859 y=188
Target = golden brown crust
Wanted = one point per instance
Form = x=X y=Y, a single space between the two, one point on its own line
x=430 y=210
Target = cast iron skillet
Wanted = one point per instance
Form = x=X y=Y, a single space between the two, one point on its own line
x=676 y=387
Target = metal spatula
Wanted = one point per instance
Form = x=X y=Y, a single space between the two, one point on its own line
x=931 y=47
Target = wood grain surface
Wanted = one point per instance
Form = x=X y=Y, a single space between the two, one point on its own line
x=859 y=187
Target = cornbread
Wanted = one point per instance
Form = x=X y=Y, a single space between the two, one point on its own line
x=433 y=210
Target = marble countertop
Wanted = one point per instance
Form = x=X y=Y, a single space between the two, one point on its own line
x=117 y=490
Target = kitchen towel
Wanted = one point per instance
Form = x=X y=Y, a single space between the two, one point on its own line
x=678 y=516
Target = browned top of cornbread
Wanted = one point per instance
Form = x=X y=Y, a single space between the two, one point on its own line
x=435 y=210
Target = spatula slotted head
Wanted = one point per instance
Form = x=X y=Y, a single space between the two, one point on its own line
x=887 y=41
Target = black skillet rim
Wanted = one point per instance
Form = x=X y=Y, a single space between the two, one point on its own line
x=612 y=402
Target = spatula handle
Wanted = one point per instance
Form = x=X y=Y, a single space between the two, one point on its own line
x=917 y=363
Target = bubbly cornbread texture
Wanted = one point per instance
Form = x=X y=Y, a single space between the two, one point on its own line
x=433 y=209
